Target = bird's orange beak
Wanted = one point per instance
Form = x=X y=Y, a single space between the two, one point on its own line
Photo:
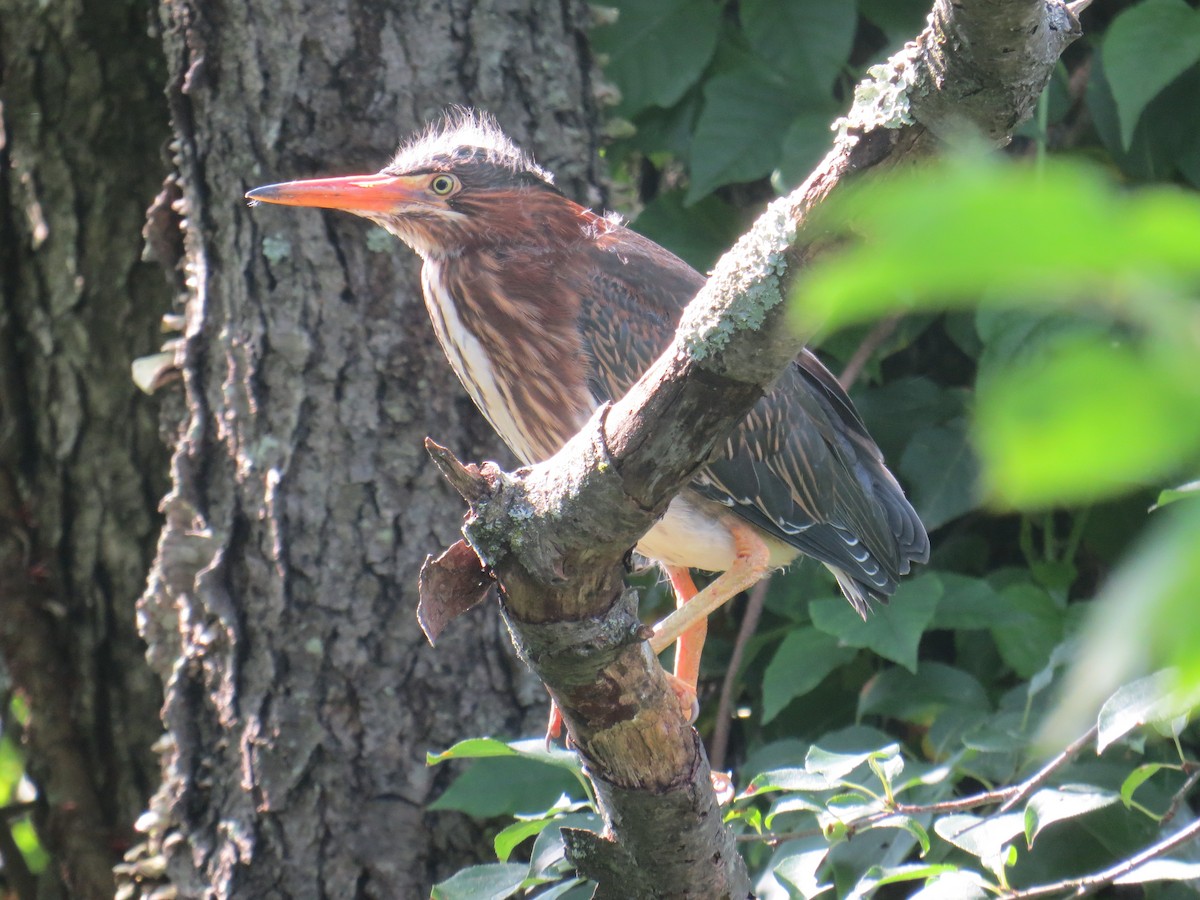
x=353 y=193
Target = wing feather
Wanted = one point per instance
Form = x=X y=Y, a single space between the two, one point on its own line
x=801 y=466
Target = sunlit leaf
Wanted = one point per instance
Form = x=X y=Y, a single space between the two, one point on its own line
x=878 y=876
x=1051 y=805
x=981 y=837
x=1137 y=778
x=936 y=240
x=960 y=885
x=532 y=749
x=790 y=803
x=513 y=835
x=907 y=823
x=1189 y=491
x=798 y=864
x=790 y=779
x=1090 y=421
x=1145 y=48
x=1143 y=702
x=835 y=766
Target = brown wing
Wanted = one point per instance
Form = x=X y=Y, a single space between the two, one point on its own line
x=801 y=465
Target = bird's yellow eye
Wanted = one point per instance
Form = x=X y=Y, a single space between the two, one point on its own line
x=443 y=184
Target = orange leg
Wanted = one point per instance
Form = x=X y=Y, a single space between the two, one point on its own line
x=750 y=564
x=691 y=642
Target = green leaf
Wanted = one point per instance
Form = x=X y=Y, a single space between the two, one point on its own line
x=918 y=698
x=802 y=661
x=1143 y=702
x=532 y=749
x=1061 y=431
x=898 y=409
x=511 y=837
x=937 y=238
x=1027 y=646
x=984 y=838
x=808 y=39
x=1146 y=48
x=738 y=134
x=12 y=769
x=656 y=51
x=805 y=144
x=548 y=849
x=493 y=882
x=558 y=890
x=900 y=20
x=1018 y=338
x=892 y=631
x=942 y=473
x=836 y=766
x=969 y=603
x=907 y=823
x=960 y=885
x=789 y=779
x=1189 y=491
x=798 y=864
x=1070 y=801
x=878 y=876
x=494 y=787
x=699 y=233
x=1137 y=778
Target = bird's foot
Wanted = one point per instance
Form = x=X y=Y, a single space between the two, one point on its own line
x=685 y=696
x=722 y=784
x=554 y=726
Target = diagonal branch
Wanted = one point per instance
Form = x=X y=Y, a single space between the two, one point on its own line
x=555 y=534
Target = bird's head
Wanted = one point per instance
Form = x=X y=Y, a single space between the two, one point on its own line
x=459 y=185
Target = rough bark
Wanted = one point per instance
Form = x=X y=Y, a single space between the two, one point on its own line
x=82 y=129
x=301 y=694
x=554 y=534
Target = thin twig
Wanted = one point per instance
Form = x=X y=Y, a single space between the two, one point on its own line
x=1047 y=771
x=1007 y=797
x=1179 y=795
x=874 y=339
x=720 y=739
x=1089 y=884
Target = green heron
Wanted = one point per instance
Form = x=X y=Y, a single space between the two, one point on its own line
x=547 y=310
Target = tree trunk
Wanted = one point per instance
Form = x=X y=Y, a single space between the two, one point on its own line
x=82 y=131
x=301 y=695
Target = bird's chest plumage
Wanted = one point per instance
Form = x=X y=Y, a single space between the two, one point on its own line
x=511 y=370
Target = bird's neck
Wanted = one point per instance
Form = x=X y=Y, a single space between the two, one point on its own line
x=502 y=313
